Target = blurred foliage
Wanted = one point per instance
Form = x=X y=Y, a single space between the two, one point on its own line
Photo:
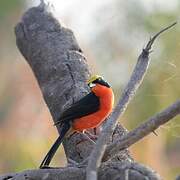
x=121 y=30
x=7 y=6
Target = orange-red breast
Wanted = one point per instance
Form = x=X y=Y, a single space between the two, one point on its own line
x=88 y=112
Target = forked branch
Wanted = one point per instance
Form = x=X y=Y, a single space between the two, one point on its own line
x=128 y=93
x=144 y=129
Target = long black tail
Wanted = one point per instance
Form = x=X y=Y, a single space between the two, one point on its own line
x=47 y=159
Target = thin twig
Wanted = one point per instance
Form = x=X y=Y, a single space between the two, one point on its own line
x=148 y=46
x=129 y=92
x=144 y=129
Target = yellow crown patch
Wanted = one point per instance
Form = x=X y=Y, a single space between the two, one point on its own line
x=93 y=78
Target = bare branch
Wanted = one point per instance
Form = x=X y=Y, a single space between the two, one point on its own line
x=70 y=173
x=144 y=129
x=115 y=170
x=148 y=46
x=129 y=92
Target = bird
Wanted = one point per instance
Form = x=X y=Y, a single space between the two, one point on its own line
x=87 y=113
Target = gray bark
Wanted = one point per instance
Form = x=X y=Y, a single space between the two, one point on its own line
x=110 y=171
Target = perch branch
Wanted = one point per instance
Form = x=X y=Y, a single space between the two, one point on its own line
x=129 y=92
x=144 y=129
x=115 y=170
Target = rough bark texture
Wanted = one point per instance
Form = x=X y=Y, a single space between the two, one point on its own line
x=61 y=71
x=111 y=171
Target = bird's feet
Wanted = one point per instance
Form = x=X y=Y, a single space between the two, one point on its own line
x=91 y=137
x=88 y=137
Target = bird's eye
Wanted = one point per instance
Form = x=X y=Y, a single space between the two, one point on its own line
x=92 y=85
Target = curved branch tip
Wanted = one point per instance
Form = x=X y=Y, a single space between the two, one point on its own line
x=152 y=39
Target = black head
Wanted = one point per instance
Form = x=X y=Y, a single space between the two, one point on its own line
x=98 y=80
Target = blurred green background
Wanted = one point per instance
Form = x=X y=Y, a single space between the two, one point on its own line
x=112 y=34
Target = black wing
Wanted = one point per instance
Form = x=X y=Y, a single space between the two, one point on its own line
x=85 y=106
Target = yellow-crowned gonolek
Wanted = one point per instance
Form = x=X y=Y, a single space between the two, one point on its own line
x=88 y=112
